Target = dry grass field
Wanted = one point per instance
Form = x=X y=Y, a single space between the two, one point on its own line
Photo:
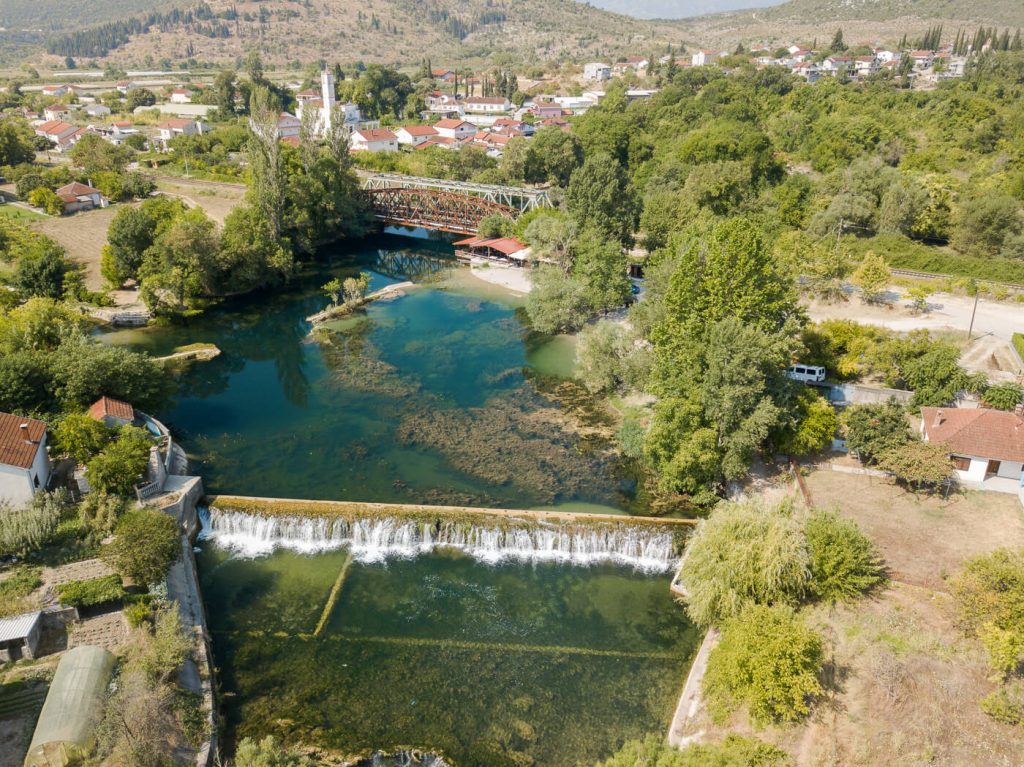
x=903 y=680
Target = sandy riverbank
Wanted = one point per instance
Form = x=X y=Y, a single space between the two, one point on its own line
x=514 y=278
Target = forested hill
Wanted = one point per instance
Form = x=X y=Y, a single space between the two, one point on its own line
x=368 y=30
x=51 y=15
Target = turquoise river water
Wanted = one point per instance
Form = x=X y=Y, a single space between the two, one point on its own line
x=439 y=396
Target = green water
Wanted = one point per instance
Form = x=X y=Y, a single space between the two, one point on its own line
x=440 y=396
x=493 y=666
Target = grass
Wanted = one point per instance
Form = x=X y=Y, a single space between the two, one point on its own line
x=20 y=214
x=903 y=253
x=1018 y=343
x=15 y=589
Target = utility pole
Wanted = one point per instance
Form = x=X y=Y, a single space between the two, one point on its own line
x=974 y=311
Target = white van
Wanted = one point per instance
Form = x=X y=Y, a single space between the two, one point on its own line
x=806 y=373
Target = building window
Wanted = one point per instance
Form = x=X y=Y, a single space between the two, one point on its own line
x=960 y=463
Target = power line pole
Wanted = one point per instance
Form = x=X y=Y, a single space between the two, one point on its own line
x=974 y=311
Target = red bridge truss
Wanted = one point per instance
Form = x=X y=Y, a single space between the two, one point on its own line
x=434 y=208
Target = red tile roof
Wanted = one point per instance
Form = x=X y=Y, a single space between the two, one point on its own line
x=980 y=432
x=420 y=130
x=75 y=189
x=18 y=447
x=176 y=122
x=55 y=127
x=451 y=124
x=115 y=408
x=376 y=134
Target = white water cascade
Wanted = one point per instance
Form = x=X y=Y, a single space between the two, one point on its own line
x=376 y=538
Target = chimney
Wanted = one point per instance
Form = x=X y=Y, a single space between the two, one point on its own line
x=24 y=434
x=939 y=419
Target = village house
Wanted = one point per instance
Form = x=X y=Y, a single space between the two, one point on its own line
x=180 y=96
x=798 y=53
x=456 y=130
x=487 y=104
x=414 y=135
x=178 y=126
x=112 y=412
x=493 y=143
x=76 y=197
x=443 y=75
x=597 y=71
x=24 y=460
x=509 y=126
x=884 y=55
x=986 y=446
x=374 y=140
x=123 y=86
x=57 y=112
x=544 y=110
x=288 y=125
x=807 y=70
x=833 y=65
x=704 y=57
x=97 y=110
x=865 y=66
x=922 y=59
x=56 y=90
x=61 y=134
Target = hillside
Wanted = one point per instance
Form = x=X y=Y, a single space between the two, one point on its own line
x=48 y=15
x=998 y=12
x=392 y=30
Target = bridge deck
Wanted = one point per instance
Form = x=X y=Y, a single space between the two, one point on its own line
x=519 y=198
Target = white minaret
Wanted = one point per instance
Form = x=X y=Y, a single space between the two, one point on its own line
x=327 y=94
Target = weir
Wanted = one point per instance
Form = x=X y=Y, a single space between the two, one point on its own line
x=490 y=535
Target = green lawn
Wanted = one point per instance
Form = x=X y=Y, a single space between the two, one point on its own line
x=21 y=214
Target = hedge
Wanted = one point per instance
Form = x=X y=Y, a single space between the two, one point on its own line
x=93 y=591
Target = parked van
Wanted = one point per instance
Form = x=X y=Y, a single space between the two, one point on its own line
x=806 y=373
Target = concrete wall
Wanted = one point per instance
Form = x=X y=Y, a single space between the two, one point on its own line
x=15 y=484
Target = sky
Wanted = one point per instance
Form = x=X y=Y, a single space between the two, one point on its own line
x=677 y=9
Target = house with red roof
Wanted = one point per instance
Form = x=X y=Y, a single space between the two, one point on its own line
x=76 y=196
x=57 y=112
x=455 y=129
x=487 y=104
x=112 y=412
x=179 y=126
x=24 y=460
x=414 y=135
x=61 y=134
x=373 y=140
x=986 y=446
x=180 y=96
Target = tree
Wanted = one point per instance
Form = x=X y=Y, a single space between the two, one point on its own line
x=872 y=277
x=919 y=295
x=605 y=357
x=94 y=155
x=1003 y=396
x=264 y=152
x=602 y=266
x=599 y=196
x=815 y=425
x=733 y=751
x=985 y=222
x=16 y=145
x=81 y=436
x=181 y=265
x=844 y=562
x=118 y=466
x=873 y=430
x=333 y=290
x=41 y=272
x=84 y=370
x=140 y=97
x=767 y=659
x=917 y=463
x=744 y=553
x=837 y=45
x=553 y=156
x=129 y=235
x=935 y=375
x=355 y=288
x=250 y=256
x=557 y=302
x=147 y=543
x=25 y=379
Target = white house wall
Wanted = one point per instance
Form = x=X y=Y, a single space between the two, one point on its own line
x=1010 y=470
x=15 y=485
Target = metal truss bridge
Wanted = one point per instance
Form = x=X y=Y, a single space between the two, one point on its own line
x=450 y=206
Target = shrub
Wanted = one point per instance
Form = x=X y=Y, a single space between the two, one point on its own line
x=46 y=199
x=93 y=591
x=268 y=753
x=137 y=613
x=16 y=587
x=160 y=653
x=26 y=529
x=844 y=562
x=80 y=436
x=767 y=659
x=1003 y=396
x=743 y=553
x=816 y=425
x=146 y=544
x=1006 y=704
x=989 y=593
x=733 y=751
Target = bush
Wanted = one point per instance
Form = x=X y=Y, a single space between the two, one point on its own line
x=80 y=436
x=844 y=562
x=137 y=613
x=919 y=464
x=816 y=425
x=28 y=528
x=734 y=751
x=146 y=544
x=743 y=553
x=768 y=660
x=1006 y=704
x=94 y=591
x=47 y=200
x=1003 y=396
x=989 y=592
x=268 y=753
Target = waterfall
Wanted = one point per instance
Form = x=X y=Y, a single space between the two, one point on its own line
x=374 y=539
